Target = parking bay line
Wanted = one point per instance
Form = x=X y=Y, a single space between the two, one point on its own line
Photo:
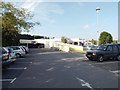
x=24 y=62
x=19 y=68
x=116 y=71
x=105 y=62
x=8 y=80
x=83 y=83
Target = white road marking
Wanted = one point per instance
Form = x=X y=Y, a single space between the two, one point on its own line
x=23 y=62
x=116 y=71
x=83 y=83
x=18 y=68
x=89 y=64
x=1 y=80
x=13 y=80
x=8 y=80
x=105 y=62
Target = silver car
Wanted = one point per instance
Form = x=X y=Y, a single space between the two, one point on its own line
x=19 y=51
x=11 y=53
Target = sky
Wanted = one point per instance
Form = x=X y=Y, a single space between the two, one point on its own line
x=73 y=19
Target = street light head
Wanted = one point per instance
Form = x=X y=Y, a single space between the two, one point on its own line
x=97 y=9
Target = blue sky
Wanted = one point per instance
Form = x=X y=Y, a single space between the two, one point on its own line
x=73 y=19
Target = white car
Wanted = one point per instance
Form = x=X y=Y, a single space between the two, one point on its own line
x=19 y=51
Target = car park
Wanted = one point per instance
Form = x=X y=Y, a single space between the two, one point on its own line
x=104 y=52
x=19 y=51
x=11 y=53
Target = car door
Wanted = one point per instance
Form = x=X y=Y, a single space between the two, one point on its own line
x=109 y=51
x=115 y=50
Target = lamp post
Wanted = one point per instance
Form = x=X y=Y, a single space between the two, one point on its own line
x=98 y=9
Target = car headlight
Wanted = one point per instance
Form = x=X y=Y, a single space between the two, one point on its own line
x=94 y=53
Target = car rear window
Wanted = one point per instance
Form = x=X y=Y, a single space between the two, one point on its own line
x=3 y=51
x=0 y=51
x=10 y=50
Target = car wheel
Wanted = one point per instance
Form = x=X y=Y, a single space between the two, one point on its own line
x=100 y=58
x=118 y=57
x=18 y=55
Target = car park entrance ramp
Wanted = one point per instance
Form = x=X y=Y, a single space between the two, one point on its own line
x=77 y=48
x=67 y=47
x=61 y=46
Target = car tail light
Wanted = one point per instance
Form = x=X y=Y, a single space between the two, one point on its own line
x=9 y=53
x=23 y=49
x=5 y=57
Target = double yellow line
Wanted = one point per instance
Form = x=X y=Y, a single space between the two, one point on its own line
x=77 y=50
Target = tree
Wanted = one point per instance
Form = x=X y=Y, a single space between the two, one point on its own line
x=93 y=41
x=109 y=39
x=14 y=21
x=63 y=39
x=115 y=41
x=105 y=37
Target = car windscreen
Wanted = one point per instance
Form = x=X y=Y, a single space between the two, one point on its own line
x=101 y=47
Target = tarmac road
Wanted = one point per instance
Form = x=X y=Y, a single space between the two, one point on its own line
x=45 y=68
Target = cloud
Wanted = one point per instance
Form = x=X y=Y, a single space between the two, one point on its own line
x=47 y=11
x=80 y=4
x=42 y=10
x=30 y=5
x=85 y=26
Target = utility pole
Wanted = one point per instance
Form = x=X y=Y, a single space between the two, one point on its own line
x=98 y=9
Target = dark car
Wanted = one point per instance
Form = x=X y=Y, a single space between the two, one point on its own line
x=103 y=52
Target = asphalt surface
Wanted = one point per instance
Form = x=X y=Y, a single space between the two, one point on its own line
x=45 y=68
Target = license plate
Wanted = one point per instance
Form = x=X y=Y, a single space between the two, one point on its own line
x=5 y=57
x=14 y=59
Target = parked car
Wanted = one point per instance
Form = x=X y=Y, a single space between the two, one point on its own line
x=0 y=55
x=5 y=58
x=89 y=47
x=103 y=52
x=26 y=49
x=11 y=53
x=93 y=47
x=19 y=51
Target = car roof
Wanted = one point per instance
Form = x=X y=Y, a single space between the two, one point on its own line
x=111 y=44
x=15 y=46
